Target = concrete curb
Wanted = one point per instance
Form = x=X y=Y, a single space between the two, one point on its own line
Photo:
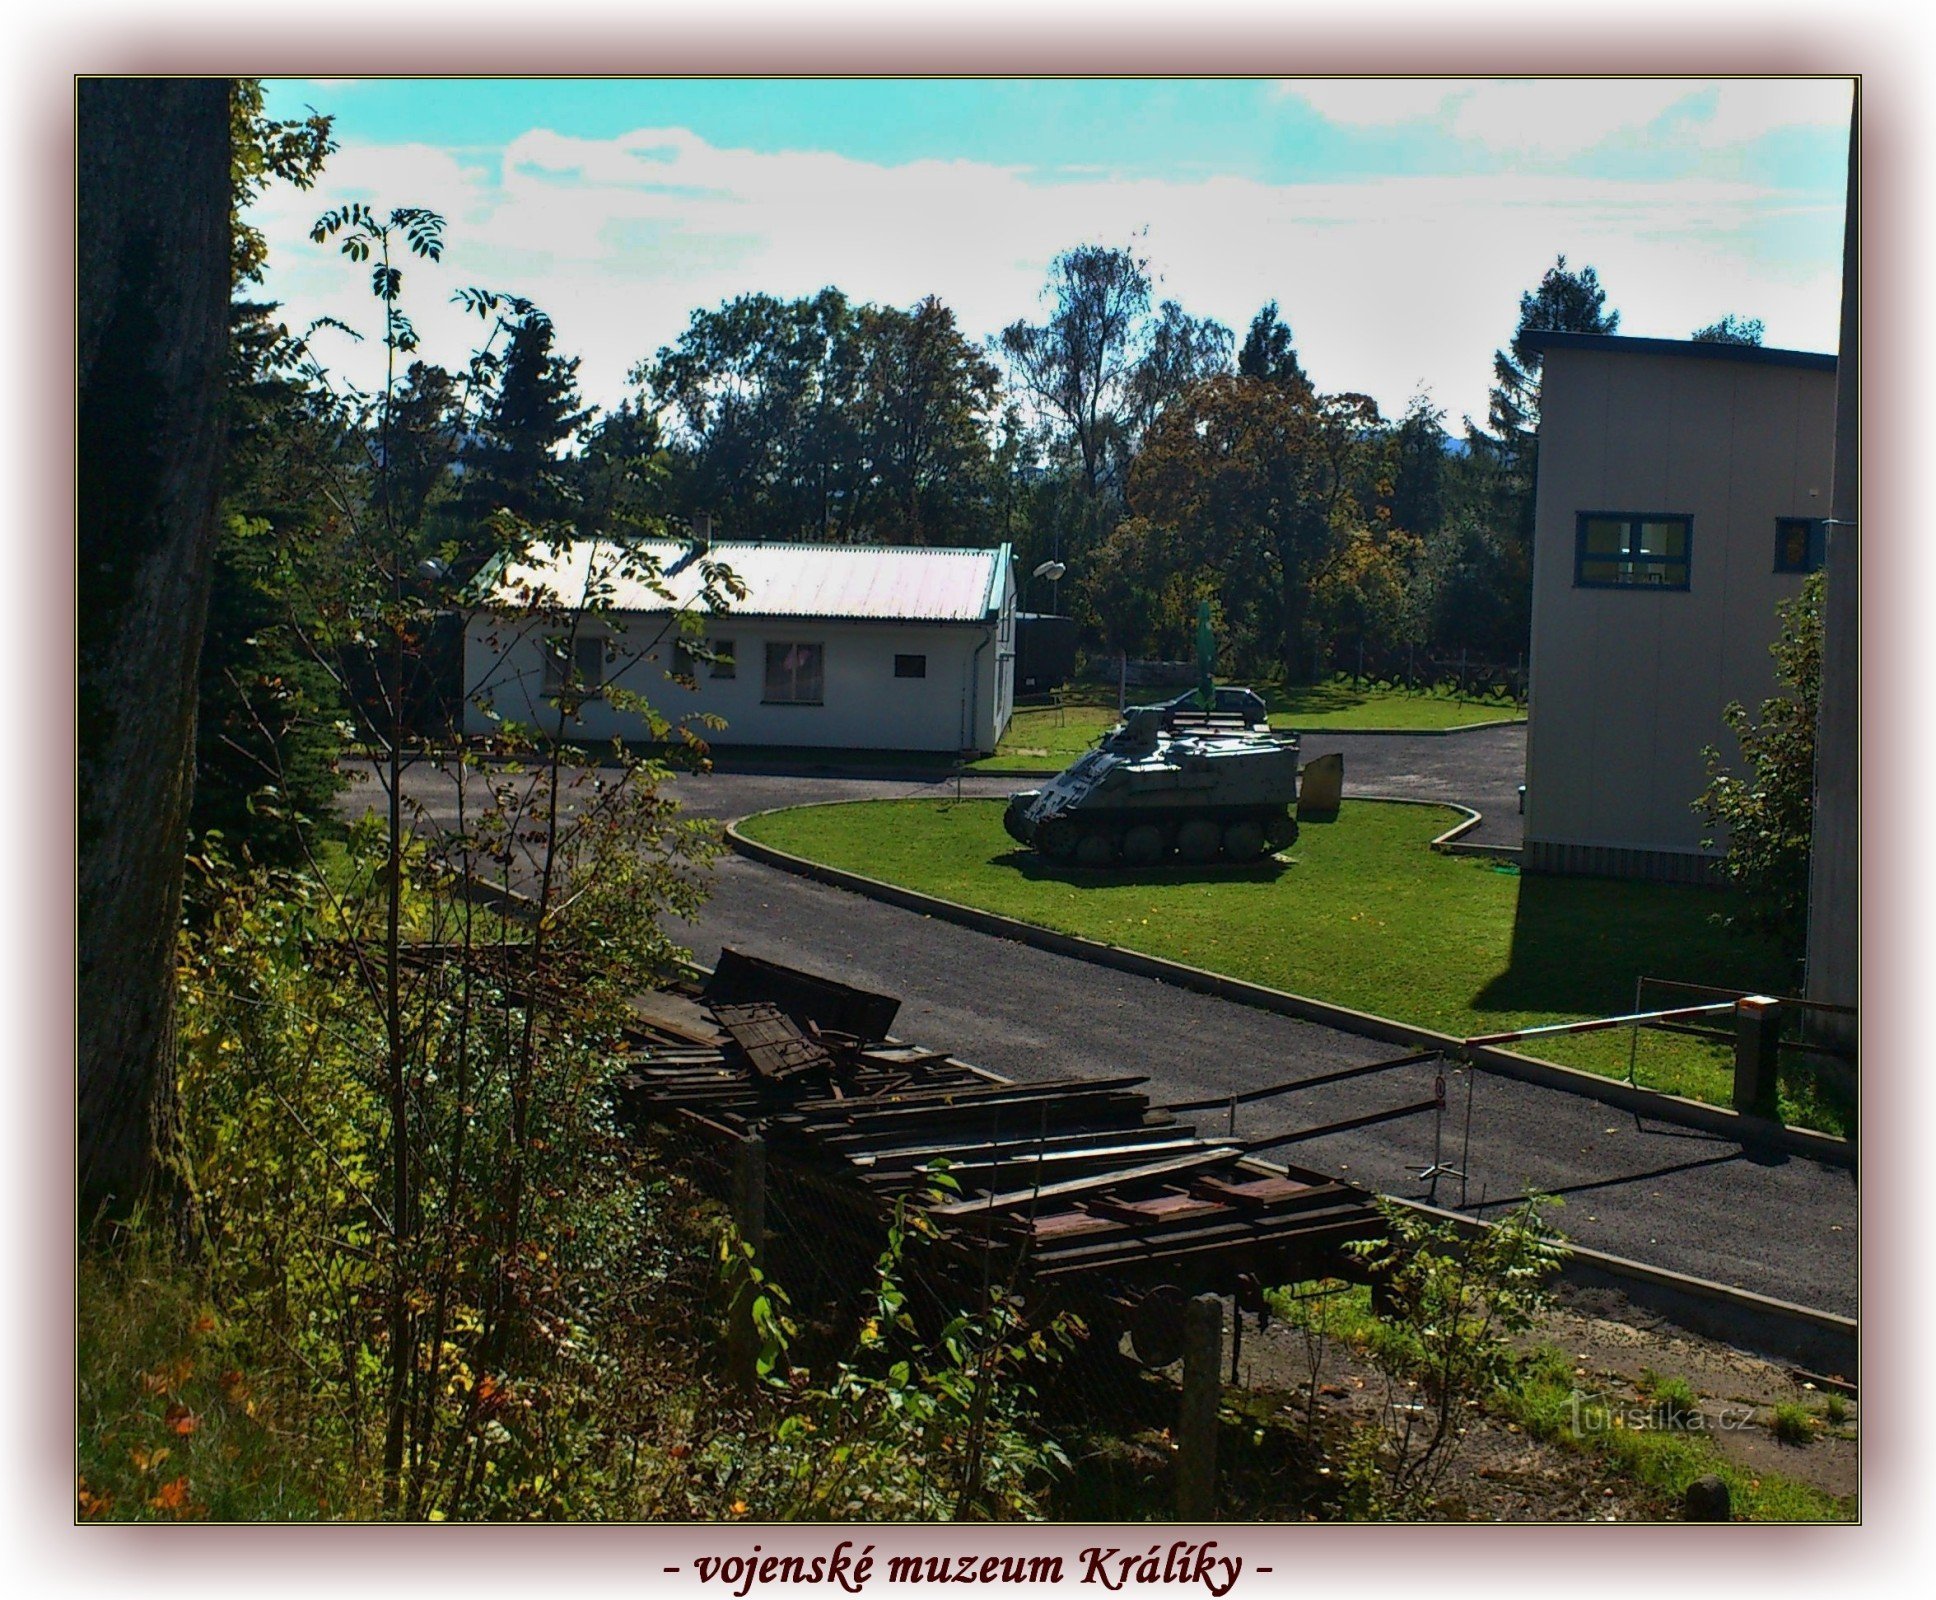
x=1732 y=1125
x=1821 y=1340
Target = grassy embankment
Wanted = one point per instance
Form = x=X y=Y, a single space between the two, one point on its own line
x=1359 y=913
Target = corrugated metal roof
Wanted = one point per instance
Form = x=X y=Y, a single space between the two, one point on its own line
x=899 y=583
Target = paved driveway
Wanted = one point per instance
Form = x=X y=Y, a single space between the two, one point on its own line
x=1692 y=1202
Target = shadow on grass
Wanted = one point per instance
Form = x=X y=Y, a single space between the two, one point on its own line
x=1039 y=869
x=1579 y=944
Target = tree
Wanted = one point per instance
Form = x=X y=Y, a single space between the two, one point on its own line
x=1416 y=468
x=154 y=269
x=1564 y=302
x=268 y=718
x=759 y=394
x=1730 y=330
x=819 y=418
x=1267 y=351
x=1505 y=461
x=1257 y=484
x=269 y=722
x=535 y=408
x=1765 y=817
x=927 y=394
x=262 y=151
x=1181 y=350
x=1080 y=365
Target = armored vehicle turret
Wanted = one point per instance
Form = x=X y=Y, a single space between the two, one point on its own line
x=1170 y=782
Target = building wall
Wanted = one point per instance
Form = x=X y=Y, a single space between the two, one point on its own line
x=1628 y=684
x=963 y=701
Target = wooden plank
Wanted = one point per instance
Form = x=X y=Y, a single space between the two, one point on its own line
x=1098 y=1148
x=1010 y=1199
x=1063 y=1224
x=974 y=1093
x=1332 y=1225
x=1158 y=1209
x=772 y=1041
x=677 y=1014
x=1253 y=1192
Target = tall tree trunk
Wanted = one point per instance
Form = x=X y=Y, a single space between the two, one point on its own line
x=154 y=195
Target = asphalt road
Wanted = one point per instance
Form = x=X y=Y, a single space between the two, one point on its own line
x=1671 y=1196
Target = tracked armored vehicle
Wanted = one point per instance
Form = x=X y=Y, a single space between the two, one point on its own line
x=1171 y=782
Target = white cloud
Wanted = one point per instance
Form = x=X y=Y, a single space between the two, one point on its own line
x=1377 y=102
x=1389 y=284
x=1746 y=110
x=1557 y=118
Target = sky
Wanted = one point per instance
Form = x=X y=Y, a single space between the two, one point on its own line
x=1395 y=222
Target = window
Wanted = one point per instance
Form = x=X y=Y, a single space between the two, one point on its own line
x=910 y=666
x=794 y=674
x=686 y=662
x=1799 y=544
x=1632 y=550
x=574 y=665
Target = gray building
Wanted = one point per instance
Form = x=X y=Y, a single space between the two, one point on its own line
x=1682 y=492
x=857 y=647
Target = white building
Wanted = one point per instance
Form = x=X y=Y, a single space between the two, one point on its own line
x=1682 y=494
x=855 y=647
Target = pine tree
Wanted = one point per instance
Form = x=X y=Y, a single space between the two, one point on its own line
x=1267 y=351
x=1507 y=458
x=536 y=409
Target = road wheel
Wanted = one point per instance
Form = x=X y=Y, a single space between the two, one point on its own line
x=1056 y=839
x=1280 y=831
x=1243 y=841
x=1198 y=840
x=1095 y=849
x=1143 y=845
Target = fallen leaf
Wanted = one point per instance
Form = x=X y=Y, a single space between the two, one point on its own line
x=172 y=1496
x=181 y=1421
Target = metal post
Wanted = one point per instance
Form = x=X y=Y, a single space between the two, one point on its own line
x=1196 y=1434
x=1633 y=1035
x=1438 y=1167
x=1757 y=1047
x=749 y=1217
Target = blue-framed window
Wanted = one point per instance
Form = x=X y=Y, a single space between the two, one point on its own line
x=1800 y=544
x=1632 y=550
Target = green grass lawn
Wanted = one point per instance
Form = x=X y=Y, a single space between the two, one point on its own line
x=1359 y=912
x=1048 y=738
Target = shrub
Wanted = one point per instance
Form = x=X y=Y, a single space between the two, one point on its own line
x=1453 y=1305
x=1792 y=1424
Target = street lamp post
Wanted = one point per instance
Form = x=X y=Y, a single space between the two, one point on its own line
x=1052 y=570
